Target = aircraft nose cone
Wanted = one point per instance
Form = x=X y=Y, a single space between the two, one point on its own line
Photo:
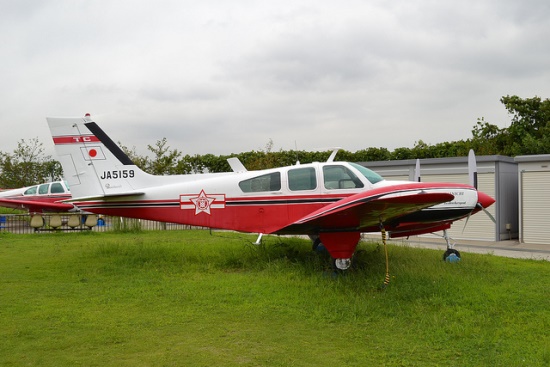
x=484 y=199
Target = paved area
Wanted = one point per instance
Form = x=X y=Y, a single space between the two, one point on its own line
x=511 y=248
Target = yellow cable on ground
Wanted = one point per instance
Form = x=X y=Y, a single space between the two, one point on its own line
x=387 y=278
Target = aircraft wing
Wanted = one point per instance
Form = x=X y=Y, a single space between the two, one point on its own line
x=35 y=205
x=415 y=229
x=363 y=212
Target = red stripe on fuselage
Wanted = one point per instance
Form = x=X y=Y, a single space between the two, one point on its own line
x=258 y=214
x=75 y=139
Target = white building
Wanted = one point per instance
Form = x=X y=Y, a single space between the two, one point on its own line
x=534 y=198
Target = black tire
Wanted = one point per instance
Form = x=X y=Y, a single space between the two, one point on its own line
x=450 y=252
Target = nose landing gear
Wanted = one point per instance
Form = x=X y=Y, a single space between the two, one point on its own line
x=451 y=255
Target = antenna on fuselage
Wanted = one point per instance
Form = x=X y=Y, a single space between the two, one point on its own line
x=236 y=165
x=296 y=150
x=333 y=154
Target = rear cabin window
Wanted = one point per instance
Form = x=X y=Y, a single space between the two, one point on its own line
x=340 y=177
x=269 y=182
x=302 y=179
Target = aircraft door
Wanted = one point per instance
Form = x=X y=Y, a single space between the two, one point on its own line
x=302 y=182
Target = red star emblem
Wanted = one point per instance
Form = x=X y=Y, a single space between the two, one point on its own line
x=202 y=203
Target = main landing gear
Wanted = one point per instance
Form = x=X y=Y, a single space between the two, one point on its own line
x=341 y=247
x=339 y=263
x=451 y=255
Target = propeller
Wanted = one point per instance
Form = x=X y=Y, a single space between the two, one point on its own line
x=417 y=171
x=483 y=200
x=472 y=168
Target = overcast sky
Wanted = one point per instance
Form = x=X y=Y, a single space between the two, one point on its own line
x=225 y=77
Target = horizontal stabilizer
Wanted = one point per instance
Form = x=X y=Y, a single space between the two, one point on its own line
x=106 y=196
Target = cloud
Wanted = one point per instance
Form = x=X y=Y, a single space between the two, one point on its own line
x=220 y=77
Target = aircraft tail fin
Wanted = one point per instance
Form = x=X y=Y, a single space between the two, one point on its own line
x=93 y=165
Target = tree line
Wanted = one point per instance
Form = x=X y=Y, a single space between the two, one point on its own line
x=528 y=133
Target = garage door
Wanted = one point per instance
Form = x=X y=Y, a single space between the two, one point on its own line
x=535 y=211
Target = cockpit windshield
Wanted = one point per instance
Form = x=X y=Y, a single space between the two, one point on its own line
x=373 y=177
x=31 y=191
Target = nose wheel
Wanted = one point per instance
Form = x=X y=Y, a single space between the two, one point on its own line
x=451 y=255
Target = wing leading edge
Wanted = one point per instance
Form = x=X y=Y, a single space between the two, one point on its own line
x=365 y=211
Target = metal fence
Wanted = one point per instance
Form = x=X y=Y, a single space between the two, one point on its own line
x=68 y=222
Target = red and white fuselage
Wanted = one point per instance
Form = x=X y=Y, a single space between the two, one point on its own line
x=329 y=199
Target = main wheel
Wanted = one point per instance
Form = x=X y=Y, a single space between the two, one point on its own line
x=342 y=264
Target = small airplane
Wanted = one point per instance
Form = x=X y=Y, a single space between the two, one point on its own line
x=46 y=197
x=332 y=202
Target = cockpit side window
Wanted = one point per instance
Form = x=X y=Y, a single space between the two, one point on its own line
x=57 y=188
x=43 y=189
x=302 y=179
x=31 y=190
x=269 y=182
x=340 y=177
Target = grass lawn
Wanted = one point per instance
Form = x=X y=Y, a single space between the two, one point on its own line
x=195 y=298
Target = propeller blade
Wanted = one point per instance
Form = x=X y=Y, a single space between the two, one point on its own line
x=472 y=168
x=417 y=171
x=487 y=212
x=466 y=223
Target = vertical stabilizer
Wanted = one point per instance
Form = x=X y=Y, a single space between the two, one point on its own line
x=93 y=164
